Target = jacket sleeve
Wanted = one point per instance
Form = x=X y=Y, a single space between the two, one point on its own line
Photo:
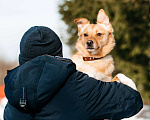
x=107 y=100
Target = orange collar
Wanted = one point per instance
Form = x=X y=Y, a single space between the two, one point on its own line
x=91 y=58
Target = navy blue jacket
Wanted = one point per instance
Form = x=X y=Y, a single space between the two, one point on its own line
x=54 y=90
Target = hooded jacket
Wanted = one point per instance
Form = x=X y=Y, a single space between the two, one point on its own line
x=50 y=88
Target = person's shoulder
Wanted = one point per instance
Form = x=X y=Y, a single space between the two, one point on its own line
x=49 y=58
x=63 y=63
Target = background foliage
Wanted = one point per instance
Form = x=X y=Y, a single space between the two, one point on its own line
x=129 y=19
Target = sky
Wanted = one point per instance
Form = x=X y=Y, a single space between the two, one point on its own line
x=17 y=16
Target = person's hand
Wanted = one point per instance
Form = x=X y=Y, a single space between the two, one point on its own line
x=125 y=80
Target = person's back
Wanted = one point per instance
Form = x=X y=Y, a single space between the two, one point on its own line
x=51 y=88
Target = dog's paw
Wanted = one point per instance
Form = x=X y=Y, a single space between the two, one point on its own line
x=127 y=81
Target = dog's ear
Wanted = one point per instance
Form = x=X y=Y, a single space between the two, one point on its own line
x=103 y=19
x=81 y=23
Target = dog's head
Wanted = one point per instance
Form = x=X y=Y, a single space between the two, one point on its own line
x=95 y=39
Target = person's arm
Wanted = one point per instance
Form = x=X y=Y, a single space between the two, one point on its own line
x=107 y=100
x=125 y=80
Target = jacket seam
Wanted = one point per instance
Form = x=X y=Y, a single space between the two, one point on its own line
x=38 y=78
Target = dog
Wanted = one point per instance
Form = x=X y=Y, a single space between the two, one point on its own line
x=94 y=43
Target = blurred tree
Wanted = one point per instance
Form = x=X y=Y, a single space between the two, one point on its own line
x=129 y=19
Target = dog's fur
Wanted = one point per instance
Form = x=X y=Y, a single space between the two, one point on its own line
x=95 y=40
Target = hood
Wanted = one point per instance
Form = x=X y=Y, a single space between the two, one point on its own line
x=36 y=82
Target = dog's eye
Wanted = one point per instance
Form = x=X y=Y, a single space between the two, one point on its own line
x=99 y=34
x=85 y=34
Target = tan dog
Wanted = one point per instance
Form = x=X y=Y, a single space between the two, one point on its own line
x=94 y=43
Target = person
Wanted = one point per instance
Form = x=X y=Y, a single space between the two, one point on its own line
x=46 y=86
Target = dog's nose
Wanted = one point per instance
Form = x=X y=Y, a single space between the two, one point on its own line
x=89 y=42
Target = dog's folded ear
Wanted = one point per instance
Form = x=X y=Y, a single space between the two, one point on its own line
x=103 y=19
x=81 y=23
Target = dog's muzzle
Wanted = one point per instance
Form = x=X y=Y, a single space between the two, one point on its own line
x=90 y=44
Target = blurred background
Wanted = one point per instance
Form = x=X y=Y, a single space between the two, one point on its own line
x=129 y=18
